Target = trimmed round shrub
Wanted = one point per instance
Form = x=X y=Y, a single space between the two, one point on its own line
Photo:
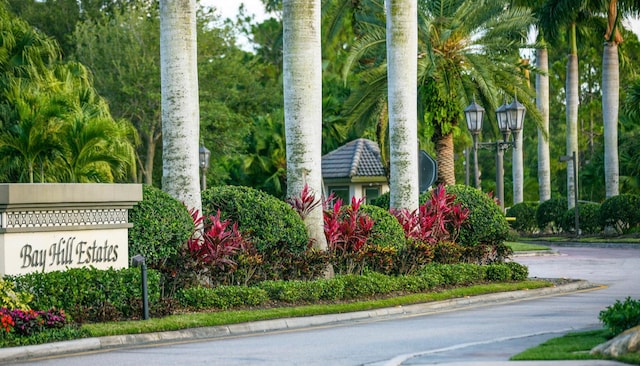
x=486 y=223
x=499 y=272
x=161 y=225
x=271 y=223
x=621 y=315
x=386 y=231
x=549 y=214
x=588 y=218
x=621 y=212
x=525 y=216
x=519 y=272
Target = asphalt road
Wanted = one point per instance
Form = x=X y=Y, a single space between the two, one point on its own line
x=486 y=332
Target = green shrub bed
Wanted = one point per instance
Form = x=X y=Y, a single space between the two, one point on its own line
x=90 y=294
x=349 y=287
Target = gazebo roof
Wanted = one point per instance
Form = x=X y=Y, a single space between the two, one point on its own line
x=359 y=158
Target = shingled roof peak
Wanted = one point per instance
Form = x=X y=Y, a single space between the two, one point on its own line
x=360 y=157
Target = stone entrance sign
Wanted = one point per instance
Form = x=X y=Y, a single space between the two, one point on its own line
x=48 y=227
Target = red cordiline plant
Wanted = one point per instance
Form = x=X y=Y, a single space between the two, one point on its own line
x=437 y=220
x=304 y=204
x=345 y=228
x=215 y=242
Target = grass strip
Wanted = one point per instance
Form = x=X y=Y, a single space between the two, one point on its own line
x=572 y=346
x=193 y=320
x=526 y=247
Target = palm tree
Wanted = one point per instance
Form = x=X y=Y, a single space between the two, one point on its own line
x=555 y=17
x=466 y=49
x=611 y=100
x=95 y=148
x=180 y=114
x=542 y=100
x=28 y=139
x=611 y=90
x=402 y=66
x=26 y=53
x=302 y=70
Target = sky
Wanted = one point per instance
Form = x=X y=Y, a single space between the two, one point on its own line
x=229 y=9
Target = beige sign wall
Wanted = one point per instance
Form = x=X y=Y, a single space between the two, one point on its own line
x=59 y=250
x=48 y=227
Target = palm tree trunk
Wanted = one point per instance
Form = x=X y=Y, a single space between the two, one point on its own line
x=303 y=106
x=444 y=158
x=610 y=104
x=542 y=101
x=180 y=108
x=402 y=68
x=517 y=170
x=572 y=117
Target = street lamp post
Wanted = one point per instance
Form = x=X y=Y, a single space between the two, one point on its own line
x=576 y=211
x=510 y=118
x=204 y=156
x=474 y=114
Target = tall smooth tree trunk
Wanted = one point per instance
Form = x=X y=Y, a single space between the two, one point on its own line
x=610 y=105
x=542 y=102
x=517 y=171
x=572 y=102
x=402 y=68
x=303 y=106
x=180 y=108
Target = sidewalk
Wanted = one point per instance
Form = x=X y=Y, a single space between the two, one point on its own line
x=9 y=355
x=535 y=363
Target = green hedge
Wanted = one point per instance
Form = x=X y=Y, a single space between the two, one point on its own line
x=486 y=223
x=348 y=287
x=549 y=214
x=620 y=316
x=621 y=212
x=525 y=216
x=588 y=218
x=161 y=225
x=90 y=294
x=386 y=231
x=271 y=223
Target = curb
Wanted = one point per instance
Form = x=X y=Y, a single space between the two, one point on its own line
x=535 y=253
x=577 y=244
x=13 y=354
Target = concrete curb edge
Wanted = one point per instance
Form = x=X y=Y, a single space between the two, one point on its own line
x=14 y=354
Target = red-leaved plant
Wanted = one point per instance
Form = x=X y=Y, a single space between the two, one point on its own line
x=215 y=241
x=437 y=220
x=345 y=228
x=304 y=204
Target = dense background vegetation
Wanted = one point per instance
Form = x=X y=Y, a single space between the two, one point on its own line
x=111 y=48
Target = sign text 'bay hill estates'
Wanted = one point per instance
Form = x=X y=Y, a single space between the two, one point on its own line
x=68 y=252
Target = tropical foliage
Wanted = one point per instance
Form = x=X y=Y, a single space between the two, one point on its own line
x=241 y=105
x=56 y=128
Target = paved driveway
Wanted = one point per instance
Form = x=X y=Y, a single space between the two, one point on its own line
x=487 y=332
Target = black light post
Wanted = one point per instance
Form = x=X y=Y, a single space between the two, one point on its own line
x=138 y=260
x=510 y=119
x=474 y=114
x=204 y=156
x=574 y=160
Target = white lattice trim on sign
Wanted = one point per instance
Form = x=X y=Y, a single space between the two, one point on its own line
x=58 y=218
